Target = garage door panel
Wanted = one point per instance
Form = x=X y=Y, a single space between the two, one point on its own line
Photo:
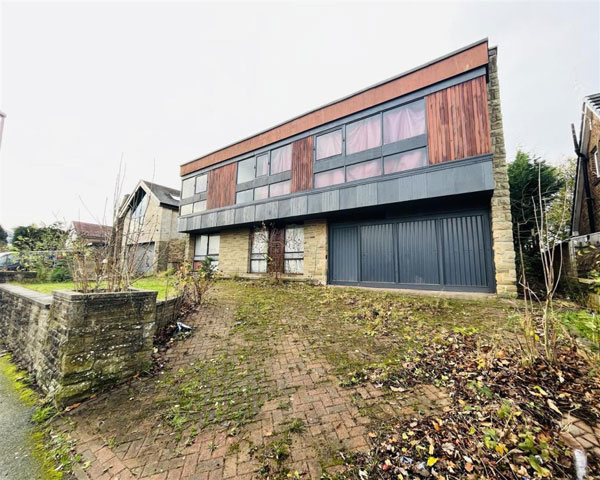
x=377 y=253
x=418 y=253
x=344 y=254
x=464 y=256
x=445 y=251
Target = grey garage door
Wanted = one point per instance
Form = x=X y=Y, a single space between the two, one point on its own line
x=449 y=252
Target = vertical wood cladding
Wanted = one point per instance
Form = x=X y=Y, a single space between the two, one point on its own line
x=302 y=164
x=458 y=123
x=221 y=186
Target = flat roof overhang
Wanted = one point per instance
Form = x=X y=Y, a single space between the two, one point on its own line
x=458 y=177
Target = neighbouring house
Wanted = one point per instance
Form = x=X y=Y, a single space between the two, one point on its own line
x=580 y=254
x=92 y=234
x=148 y=224
x=402 y=184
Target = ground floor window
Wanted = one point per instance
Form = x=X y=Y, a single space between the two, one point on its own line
x=277 y=249
x=293 y=256
x=259 y=250
x=207 y=246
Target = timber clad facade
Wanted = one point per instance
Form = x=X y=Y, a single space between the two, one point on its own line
x=393 y=186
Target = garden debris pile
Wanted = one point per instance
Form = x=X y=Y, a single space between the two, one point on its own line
x=503 y=421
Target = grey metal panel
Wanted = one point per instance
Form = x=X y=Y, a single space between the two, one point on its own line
x=404 y=145
x=328 y=164
x=324 y=202
x=285 y=208
x=366 y=195
x=209 y=220
x=299 y=205
x=363 y=156
x=418 y=252
x=377 y=256
x=344 y=250
x=225 y=217
x=447 y=251
x=464 y=258
x=266 y=211
x=244 y=214
x=461 y=176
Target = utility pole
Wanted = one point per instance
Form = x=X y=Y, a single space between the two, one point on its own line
x=2 y=117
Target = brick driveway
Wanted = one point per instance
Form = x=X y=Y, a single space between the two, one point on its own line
x=122 y=434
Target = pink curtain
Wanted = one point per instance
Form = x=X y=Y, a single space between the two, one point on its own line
x=405 y=161
x=262 y=165
x=260 y=193
x=281 y=159
x=404 y=122
x=363 y=170
x=281 y=188
x=329 y=144
x=331 y=177
x=363 y=134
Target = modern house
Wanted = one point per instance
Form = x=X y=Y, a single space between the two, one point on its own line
x=402 y=184
x=147 y=221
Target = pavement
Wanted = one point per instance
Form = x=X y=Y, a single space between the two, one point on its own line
x=16 y=459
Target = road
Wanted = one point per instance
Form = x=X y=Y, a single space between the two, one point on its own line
x=16 y=459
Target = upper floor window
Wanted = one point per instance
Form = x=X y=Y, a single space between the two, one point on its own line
x=187 y=209
x=596 y=163
x=139 y=212
x=358 y=171
x=281 y=159
x=404 y=122
x=279 y=188
x=405 y=161
x=244 y=196
x=245 y=170
x=201 y=183
x=262 y=164
x=330 y=177
x=363 y=134
x=329 y=144
x=188 y=187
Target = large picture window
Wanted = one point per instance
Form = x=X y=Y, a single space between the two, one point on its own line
x=405 y=161
x=362 y=170
x=207 y=246
x=330 y=177
x=404 y=122
x=363 y=134
x=259 y=250
x=293 y=257
x=245 y=170
x=281 y=159
x=279 y=188
x=329 y=145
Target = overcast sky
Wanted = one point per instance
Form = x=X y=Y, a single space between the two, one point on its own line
x=159 y=84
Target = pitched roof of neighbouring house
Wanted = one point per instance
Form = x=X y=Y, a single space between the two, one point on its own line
x=91 y=230
x=165 y=195
x=593 y=102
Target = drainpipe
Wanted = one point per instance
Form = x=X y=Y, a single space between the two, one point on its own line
x=583 y=160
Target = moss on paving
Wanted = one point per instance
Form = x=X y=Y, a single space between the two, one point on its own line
x=51 y=450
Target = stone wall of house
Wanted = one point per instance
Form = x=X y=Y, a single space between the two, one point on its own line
x=75 y=344
x=315 y=250
x=502 y=234
x=234 y=252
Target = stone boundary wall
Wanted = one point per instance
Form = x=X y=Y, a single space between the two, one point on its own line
x=75 y=344
x=10 y=276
